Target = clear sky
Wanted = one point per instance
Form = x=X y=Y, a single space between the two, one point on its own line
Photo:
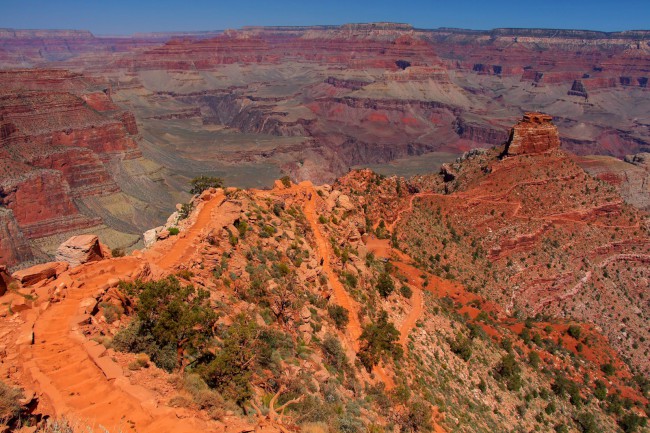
x=125 y=17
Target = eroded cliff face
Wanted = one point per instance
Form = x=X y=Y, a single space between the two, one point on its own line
x=13 y=245
x=62 y=140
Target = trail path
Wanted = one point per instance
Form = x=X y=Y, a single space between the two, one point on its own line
x=65 y=367
x=184 y=246
x=342 y=297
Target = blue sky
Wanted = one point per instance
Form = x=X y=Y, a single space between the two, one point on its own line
x=125 y=17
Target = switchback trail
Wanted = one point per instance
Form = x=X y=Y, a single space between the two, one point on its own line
x=341 y=295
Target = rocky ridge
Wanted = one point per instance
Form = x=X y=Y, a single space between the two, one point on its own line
x=305 y=274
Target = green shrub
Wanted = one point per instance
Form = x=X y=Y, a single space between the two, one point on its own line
x=186 y=210
x=509 y=371
x=286 y=181
x=462 y=347
x=377 y=340
x=600 y=392
x=406 y=291
x=608 y=369
x=574 y=331
x=117 y=252
x=333 y=352
x=201 y=183
x=586 y=422
x=340 y=315
x=173 y=231
x=385 y=285
x=171 y=321
x=232 y=367
x=630 y=422
x=533 y=359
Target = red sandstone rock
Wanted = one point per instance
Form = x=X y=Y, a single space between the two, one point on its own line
x=5 y=280
x=79 y=250
x=535 y=133
x=38 y=273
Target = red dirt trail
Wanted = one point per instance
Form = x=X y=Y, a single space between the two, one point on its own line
x=64 y=372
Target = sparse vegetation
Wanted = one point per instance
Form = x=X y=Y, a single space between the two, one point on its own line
x=202 y=183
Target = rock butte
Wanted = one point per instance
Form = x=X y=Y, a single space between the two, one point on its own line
x=535 y=133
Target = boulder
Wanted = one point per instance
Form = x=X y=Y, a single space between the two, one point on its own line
x=345 y=202
x=38 y=273
x=149 y=237
x=79 y=250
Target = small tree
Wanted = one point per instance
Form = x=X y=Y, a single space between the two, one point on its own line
x=169 y=317
x=379 y=339
x=574 y=331
x=201 y=183
x=509 y=371
x=339 y=315
x=385 y=285
x=232 y=367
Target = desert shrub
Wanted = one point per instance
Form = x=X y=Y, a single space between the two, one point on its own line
x=117 y=252
x=340 y=315
x=600 y=392
x=509 y=371
x=173 y=231
x=185 y=210
x=111 y=312
x=385 y=285
x=201 y=183
x=574 y=331
x=171 y=321
x=242 y=228
x=418 y=417
x=586 y=422
x=377 y=340
x=461 y=346
x=286 y=181
x=608 y=369
x=406 y=291
x=9 y=403
x=350 y=279
x=562 y=386
x=333 y=352
x=533 y=359
x=630 y=422
x=230 y=371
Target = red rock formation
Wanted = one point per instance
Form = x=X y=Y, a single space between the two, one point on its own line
x=57 y=135
x=38 y=273
x=535 y=133
x=41 y=203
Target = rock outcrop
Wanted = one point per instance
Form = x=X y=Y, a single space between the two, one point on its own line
x=535 y=133
x=38 y=273
x=5 y=280
x=81 y=249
